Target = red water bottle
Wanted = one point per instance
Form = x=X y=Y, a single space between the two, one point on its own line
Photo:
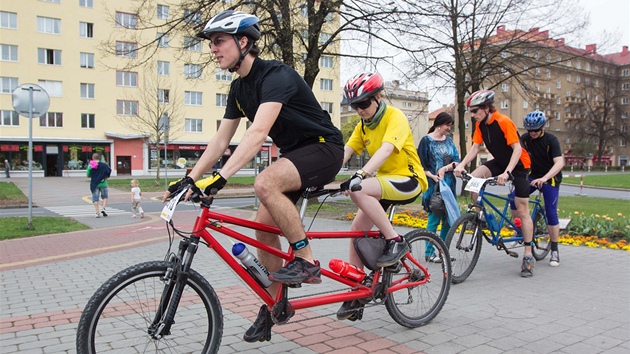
x=346 y=269
x=518 y=222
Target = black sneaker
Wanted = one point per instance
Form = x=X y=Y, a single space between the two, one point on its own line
x=103 y=212
x=349 y=310
x=394 y=251
x=260 y=331
x=298 y=271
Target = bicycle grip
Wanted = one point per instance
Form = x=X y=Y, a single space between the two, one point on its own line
x=356 y=188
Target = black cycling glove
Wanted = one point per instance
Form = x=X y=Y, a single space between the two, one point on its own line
x=353 y=184
x=179 y=184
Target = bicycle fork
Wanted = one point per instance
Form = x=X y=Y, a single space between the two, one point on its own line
x=174 y=281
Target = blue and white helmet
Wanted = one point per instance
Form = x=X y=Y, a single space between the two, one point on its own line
x=232 y=22
x=534 y=120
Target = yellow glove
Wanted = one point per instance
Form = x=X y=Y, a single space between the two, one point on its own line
x=211 y=185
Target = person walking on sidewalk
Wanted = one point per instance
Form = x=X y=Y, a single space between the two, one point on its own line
x=499 y=134
x=98 y=172
x=136 y=196
x=7 y=167
x=279 y=104
x=393 y=173
x=546 y=174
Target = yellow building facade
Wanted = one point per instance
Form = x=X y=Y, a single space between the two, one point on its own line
x=82 y=53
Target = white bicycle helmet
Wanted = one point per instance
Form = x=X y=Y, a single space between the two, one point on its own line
x=534 y=120
x=232 y=22
x=480 y=98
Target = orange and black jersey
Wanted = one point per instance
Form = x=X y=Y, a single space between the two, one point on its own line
x=498 y=135
x=542 y=152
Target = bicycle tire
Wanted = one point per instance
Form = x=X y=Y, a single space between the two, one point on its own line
x=541 y=233
x=417 y=306
x=117 y=316
x=465 y=232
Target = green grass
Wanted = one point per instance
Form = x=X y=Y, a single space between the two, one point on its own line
x=9 y=191
x=618 y=180
x=42 y=225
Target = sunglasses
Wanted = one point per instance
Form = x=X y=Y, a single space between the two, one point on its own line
x=474 y=110
x=534 y=131
x=363 y=104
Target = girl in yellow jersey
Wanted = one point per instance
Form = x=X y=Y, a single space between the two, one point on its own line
x=392 y=174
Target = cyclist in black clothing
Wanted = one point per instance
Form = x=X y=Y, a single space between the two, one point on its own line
x=546 y=172
x=279 y=103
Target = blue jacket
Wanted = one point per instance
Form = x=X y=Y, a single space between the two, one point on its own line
x=98 y=175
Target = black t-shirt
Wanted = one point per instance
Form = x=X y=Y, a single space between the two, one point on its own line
x=542 y=151
x=301 y=120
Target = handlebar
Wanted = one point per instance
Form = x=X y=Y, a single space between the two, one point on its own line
x=492 y=181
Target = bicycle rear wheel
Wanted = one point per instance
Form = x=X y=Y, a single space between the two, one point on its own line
x=117 y=317
x=464 y=245
x=541 y=234
x=416 y=306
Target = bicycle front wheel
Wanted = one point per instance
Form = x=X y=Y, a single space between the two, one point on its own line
x=416 y=306
x=118 y=316
x=464 y=245
x=541 y=234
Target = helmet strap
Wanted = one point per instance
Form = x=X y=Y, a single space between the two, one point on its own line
x=243 y=54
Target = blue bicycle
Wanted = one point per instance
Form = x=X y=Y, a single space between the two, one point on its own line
x=484 y=219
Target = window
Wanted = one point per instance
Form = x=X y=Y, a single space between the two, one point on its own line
x=525 y=104
x=86 y=30
x=578 y=79
x=304 y=10
x=48 y=25
x=587 y=67
x=8 y=20
x=193 y=44
x=558 y=100
x=87 y=60
x=326 y=84
x=504 y=54
x=326 y=61
x=223 y=75
x=221 y=100
x=193 y=98
x=191 y=16
x=625 y=86
x=8 y=84
x=55 y=1
x=87 y=120
x=504 y=87
x=624 y=115
x=192 y=71
x=537 y=72
x=625 y=100
x=48 y=56
x=568 y=94
x=8 y=52
x=126 y=78
x=87 y=90
x=51 y=120
x=548 y=89
x=504 y=104
x=126 y=20
x=596 y=83
x=86 y=3
x=127 y=49
x=569 y=63
x=193 y=125
x=9 y=118
x=126 y=108
x=625 y=72
x=558 y=84
x=162 y=40
x=406 y=104
x=164 y=68
x=54 y=88
x=622 y=142
x=162 y=12
x=548 y=74
x=568 y=77
x=578 y=65
x=327 y=106
x=324 y=37
x=557 y=115
x=164 y=96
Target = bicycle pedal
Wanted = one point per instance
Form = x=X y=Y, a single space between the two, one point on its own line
x=513 y=254
x=293 y=285
x=394 y=268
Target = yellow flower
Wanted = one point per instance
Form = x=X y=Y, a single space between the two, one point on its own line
x=619 y=214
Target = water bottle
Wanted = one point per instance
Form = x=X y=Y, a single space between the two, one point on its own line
x=493 y=225
x=252 y=264
x=346 y=269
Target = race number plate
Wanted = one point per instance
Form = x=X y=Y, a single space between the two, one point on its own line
x=169 y=208
x=475 y=184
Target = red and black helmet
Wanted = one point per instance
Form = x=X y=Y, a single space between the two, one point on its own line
x=362 y=86
x=480 y=98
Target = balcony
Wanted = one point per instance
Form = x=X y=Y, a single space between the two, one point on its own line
x=568 y=100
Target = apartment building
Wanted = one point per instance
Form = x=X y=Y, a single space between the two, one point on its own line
x=575 y=88
x=414 y=104
x=86 y=54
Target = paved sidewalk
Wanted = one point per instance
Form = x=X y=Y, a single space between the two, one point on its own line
x=583 y=306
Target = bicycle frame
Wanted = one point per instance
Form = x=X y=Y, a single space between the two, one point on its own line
x=214 y=221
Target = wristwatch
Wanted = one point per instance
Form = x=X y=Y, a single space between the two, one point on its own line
x=362 y=173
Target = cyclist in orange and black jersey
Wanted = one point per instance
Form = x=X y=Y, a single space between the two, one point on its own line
x=500 y=136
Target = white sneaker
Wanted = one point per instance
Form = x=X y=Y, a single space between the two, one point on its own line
x=98 y=215
x=134 y=216
x=554 y=261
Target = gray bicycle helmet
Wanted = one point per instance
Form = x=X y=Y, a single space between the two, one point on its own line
x=534 y=120
x=480 y=98
x=232 y=22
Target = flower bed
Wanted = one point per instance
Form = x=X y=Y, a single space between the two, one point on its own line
x=611 y=232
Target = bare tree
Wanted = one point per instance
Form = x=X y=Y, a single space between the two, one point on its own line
x=595 y=115
x=156 y=110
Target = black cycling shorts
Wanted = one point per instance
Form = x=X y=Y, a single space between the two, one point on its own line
x=520 y=182
x=317 y=164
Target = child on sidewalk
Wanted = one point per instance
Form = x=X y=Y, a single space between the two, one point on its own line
x=136 y=195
